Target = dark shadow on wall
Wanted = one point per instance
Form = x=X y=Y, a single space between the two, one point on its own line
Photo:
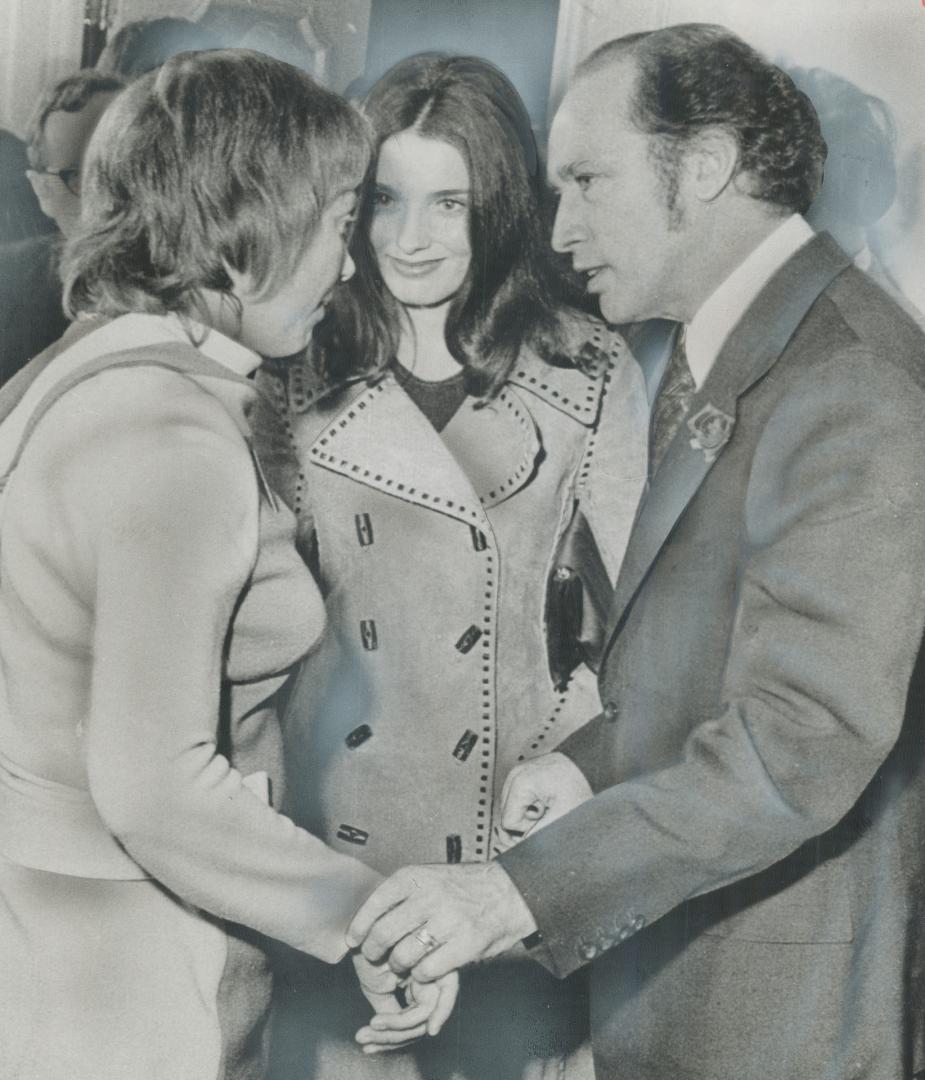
x=863 y=181
x=860 y=170
x=902 y=244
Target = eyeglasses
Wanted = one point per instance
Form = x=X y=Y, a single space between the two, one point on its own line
x=70 y=177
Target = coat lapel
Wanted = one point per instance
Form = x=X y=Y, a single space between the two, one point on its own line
x=495 y=446
x=382 y=439
x=750 y=351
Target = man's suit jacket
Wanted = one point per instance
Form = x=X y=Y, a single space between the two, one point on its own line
x=31 y=315
x=747 y=884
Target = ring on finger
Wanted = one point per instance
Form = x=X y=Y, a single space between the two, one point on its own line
x=427 y=939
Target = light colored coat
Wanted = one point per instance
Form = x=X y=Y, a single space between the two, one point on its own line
x=433 y=553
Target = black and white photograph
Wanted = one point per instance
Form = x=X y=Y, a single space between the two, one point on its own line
x=462 y=540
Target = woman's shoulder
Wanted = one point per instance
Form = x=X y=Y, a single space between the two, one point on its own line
x=587 y=337
x=569 y=368
x=129 y=426
x=144 y=399
x=145 y=458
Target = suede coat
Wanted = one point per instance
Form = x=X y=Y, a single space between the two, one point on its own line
x=433 y=551
x=747 y=885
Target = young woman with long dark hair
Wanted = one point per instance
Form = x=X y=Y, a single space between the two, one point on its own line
x=433 y=444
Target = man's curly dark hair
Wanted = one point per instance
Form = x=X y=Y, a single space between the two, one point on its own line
x=696 y=76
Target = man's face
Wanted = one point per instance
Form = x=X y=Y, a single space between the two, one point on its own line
x=613 y=216
x=56 y=157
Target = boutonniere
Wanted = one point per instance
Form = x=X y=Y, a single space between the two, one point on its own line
x=710 y=429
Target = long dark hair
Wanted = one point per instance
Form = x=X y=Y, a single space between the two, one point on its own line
x=512 y=288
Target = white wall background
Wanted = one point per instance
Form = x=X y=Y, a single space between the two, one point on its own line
x=40 y=42
x=878 y=45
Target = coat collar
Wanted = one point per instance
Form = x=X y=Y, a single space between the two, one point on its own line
x=572 y=390
x=377 y=436
x=750 y=351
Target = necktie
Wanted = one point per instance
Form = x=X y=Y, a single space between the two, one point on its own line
x=671 y=404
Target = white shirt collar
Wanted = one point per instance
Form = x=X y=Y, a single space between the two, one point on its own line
x=136 y=330
x=212 y=343
x=718 y=315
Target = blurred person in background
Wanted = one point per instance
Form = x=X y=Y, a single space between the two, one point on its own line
x=143 y=45
x=433 y=445
x=863 y=184
x=31 y=312
x=267 y=28
x=21 y=216
x=902 y=237
x=59 y=135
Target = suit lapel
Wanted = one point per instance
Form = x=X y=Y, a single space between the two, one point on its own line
x=749 y=352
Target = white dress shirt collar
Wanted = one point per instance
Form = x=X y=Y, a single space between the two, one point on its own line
x=708 y=330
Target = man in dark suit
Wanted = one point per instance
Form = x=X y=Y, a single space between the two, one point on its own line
x=746 y=879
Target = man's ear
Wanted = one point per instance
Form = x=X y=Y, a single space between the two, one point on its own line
x=711 y=162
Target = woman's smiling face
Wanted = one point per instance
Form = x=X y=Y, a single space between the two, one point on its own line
x=420 y=221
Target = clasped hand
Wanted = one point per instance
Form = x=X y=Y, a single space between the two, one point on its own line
x=425 y=922
x=535 y=794
x=396 y=1023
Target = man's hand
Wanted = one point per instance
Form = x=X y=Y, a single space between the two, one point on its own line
x=536 y=793
x=394 y=1025
x=432 y=920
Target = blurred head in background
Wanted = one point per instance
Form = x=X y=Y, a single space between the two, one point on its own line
x=860 y=168
x=142 y=46
x=58 y=138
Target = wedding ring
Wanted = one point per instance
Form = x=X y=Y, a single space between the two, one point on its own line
x=427 y=939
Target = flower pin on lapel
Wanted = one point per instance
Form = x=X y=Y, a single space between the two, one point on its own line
x=710 y=428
